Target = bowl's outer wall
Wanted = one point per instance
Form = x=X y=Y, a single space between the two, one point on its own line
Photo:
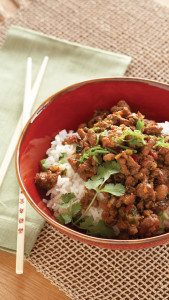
x=75 y=105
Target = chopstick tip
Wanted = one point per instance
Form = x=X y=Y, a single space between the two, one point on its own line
x=46 y=58
x=19 y=272
x=29 y=58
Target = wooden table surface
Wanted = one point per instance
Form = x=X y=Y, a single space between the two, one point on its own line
x=31 y=285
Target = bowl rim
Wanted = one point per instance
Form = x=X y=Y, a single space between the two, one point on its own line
x=62 y=228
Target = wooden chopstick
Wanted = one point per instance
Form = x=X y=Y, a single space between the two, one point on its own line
x=29 y=98
x=22 y=200
x=10 y=151
x=27 y=105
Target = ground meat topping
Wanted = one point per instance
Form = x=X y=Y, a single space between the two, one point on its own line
x=149 y=225
x=86 y=170
x=123 y=161
x=46 y=180
x=161 y=192
x=152 y=128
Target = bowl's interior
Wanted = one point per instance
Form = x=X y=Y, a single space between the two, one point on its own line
x=74 y=105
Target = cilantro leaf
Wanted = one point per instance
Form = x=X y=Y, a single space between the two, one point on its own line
x=67 y=197
x=163 y=216
x=134 y=138
x=162 y=143
x=60 y=219
x=92 y=152
x=107 y=169
x=86 y=222
x=44 y=165
x=104 y=172
x=140 y=124
x=93 y=184
x=76 y=207
x=98 y=229
x=62 y=157
x=114 y=189
x=66 y=217
x=111 y=150
x=104 y=133
x=95 y=128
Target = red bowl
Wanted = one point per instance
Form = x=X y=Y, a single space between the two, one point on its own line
x=66 y=110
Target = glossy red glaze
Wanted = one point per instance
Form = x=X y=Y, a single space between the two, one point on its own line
x=67 y=109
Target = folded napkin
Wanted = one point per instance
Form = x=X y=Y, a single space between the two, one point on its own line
x=68 y=63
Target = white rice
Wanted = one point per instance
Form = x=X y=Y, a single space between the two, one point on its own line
x=57 y=148
x=165 y=127
x=96 y=213
x=71 y=182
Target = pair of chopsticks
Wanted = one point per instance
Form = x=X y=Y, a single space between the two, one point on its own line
x=29 y=98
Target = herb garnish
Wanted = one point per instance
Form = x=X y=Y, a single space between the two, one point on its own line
x=99 y=229
x=103 y=173
x=71 y=206
x=44 y=165
x=163 y=216
x=114 y=189
x=93 y=152
x=97 y=182
x=140 y=124
x=134 y=138
x=104 y=133
x=67 y=197
x=62 y=157
x=162 y=143
x=95 y=128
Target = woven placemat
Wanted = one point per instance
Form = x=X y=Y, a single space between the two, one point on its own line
x=139 y=28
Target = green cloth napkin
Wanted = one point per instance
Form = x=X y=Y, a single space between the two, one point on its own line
x=68 y=63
